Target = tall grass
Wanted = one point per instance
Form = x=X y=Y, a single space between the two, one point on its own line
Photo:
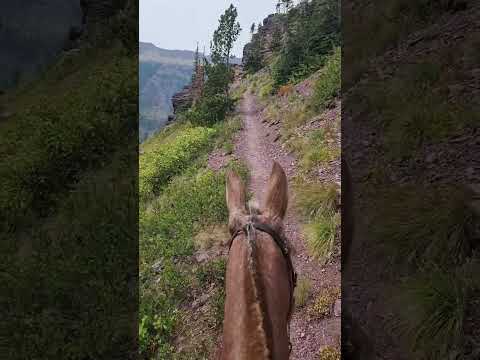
x=429 y=225
x=318 y=205
x=432 y=310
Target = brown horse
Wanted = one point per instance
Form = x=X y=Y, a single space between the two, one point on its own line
x=260 y=279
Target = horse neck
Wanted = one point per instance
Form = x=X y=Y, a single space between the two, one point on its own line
x=248 y=325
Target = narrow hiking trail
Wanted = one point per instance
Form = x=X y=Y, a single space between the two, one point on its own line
x=258 y=145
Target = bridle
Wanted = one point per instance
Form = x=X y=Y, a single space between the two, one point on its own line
x=248 y=229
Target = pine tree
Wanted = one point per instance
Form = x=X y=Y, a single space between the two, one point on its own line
x=196 y=64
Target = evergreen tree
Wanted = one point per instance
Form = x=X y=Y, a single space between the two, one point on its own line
x=196 y=64
x=225 y=36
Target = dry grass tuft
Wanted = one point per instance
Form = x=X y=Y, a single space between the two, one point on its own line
x=323 y=305
x=329 y=353
x=302 y=292
x=211 y=236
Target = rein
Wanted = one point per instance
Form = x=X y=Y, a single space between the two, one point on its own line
x=249 y=230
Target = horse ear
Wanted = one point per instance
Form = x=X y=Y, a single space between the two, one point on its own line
x=235 y=194
x=276 y=200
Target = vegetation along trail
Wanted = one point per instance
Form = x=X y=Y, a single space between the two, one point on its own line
x=258 y=144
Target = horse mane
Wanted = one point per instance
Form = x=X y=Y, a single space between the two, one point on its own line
x=259 y=309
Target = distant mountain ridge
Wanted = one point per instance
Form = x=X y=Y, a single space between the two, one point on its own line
x=161 y=74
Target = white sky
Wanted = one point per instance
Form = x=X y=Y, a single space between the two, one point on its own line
x=179 y=24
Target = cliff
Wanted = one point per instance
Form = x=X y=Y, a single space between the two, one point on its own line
x=265 y=41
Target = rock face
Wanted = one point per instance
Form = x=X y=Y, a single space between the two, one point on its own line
x=182 y=99
x=190 y=93
x=268 y=36
x=95 y=11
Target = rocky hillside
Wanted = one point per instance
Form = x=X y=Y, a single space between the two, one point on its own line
x=415 y=213
x=266 y=40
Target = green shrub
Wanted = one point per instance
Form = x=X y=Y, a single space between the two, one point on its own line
x=210 y=110
x=266 y=90
x=160 y=164
x=327 y=87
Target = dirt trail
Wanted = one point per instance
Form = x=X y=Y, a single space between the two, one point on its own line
x=258 y=145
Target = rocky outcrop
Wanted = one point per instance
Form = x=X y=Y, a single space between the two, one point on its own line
x=190 y=93
x=267 y=38
x=94 y=13
x=182 y=99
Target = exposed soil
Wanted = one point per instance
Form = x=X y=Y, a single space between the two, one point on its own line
x=258 y=145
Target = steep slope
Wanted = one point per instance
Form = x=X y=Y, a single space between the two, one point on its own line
x=415 y=210
x=68 y=169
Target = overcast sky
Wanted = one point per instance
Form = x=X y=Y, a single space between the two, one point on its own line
x=179 y=24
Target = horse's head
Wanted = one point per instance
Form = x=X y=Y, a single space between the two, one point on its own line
x=260 y=277
x=274 y=206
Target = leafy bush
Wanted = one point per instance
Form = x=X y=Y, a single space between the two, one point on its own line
x=210 y=110
x=327 y=87
x=253 y=58
x=160 y=164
